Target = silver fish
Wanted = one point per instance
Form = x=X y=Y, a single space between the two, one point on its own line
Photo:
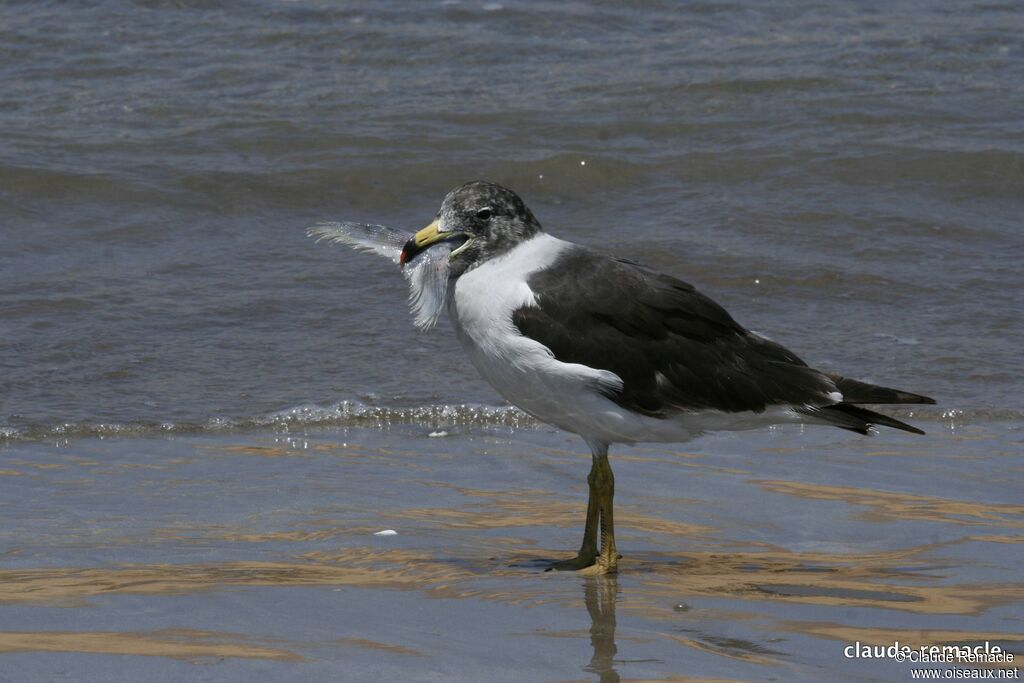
x=427 y=273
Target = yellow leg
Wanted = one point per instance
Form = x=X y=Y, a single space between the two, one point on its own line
x=599 y=513
x=588 y=549
x=608 y=559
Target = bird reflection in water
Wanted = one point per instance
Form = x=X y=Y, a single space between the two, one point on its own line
x=599 y=594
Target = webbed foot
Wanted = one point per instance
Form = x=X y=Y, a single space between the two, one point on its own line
x=581 y=561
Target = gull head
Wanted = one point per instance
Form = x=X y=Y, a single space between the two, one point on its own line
x=479 y=220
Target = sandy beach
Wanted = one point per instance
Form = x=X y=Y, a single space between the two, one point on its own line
x=255 y=555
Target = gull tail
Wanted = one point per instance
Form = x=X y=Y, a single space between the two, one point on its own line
x=849 y=415
x=858 y=392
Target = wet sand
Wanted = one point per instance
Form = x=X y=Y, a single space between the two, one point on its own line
x=753 y=556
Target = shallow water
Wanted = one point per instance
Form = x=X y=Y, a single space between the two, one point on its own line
x=233 y=557
x=204 y=415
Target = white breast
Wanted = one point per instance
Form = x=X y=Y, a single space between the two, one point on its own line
x=486 y=296
x=526 y=373
x=522 y=370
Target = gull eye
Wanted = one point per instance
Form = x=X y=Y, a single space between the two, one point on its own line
x=484 y=214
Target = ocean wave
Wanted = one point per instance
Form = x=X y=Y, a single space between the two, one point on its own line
x=434 y=416
x=338 y=415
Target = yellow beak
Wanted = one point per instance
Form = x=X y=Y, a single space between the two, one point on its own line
x=423 y=239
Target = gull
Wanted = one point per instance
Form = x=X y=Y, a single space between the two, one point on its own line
x=603 y=347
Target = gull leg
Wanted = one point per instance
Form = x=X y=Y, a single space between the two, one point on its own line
x=599 y=514
x=608 y=559
x=588 y=549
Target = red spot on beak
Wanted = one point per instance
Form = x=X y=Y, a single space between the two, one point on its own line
x=408 y=251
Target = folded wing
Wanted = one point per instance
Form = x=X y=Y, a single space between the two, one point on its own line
x=675 y=349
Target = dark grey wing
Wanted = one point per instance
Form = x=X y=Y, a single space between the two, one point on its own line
x=674 y=348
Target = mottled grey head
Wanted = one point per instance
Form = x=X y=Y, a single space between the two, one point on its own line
x=484 y=219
